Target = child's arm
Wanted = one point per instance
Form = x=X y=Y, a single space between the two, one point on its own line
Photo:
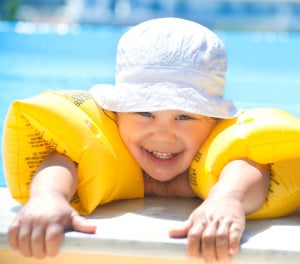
x=38 y=228
x=214 y=228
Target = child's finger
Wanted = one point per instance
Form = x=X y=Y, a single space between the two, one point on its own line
x=24 y=240
x=194 y=241
x=53 y=239
x=181 y=230
x=13 y=234
x=208 y=245
x=38 y=242
x=235 y=234
x=222 y=241
x=81 y=224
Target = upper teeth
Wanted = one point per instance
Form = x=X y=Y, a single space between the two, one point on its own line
x=162 y=155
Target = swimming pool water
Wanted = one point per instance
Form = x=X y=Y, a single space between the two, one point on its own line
x=263 y=67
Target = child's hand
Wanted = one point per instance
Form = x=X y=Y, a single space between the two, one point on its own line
x=213 y=230
x=37 y=231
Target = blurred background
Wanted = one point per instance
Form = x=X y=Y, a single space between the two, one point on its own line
x=275 y=15
x=71 y=44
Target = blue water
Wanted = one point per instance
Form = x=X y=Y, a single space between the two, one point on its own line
x=263 y=67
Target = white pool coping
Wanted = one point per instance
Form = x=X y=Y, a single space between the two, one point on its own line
x=139 y=228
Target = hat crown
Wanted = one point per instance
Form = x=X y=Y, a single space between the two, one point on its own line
x=173 y=43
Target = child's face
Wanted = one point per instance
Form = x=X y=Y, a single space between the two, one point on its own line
x=164 y=143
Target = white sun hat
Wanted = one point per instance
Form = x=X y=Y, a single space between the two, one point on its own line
x=168 y=64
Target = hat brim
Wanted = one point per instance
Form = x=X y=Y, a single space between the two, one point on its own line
x=164 y=96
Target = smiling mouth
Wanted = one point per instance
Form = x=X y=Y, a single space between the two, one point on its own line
x=163 y=155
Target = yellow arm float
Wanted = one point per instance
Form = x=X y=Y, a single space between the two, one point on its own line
x=71 y=123
x=266 y=136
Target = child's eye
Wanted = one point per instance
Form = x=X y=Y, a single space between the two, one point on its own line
x=146 y=114
x=184 y=117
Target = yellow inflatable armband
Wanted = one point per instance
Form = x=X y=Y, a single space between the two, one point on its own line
x=266 y=136
x=71 y=123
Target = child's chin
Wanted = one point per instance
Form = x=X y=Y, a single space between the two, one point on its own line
x=163 y=177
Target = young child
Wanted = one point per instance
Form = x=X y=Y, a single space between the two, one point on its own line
x=168 y=97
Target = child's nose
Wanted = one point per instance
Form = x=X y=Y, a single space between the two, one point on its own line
x=164 y=136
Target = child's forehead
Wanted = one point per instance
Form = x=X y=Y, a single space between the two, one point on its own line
x=174 y=112
x=170 y=112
